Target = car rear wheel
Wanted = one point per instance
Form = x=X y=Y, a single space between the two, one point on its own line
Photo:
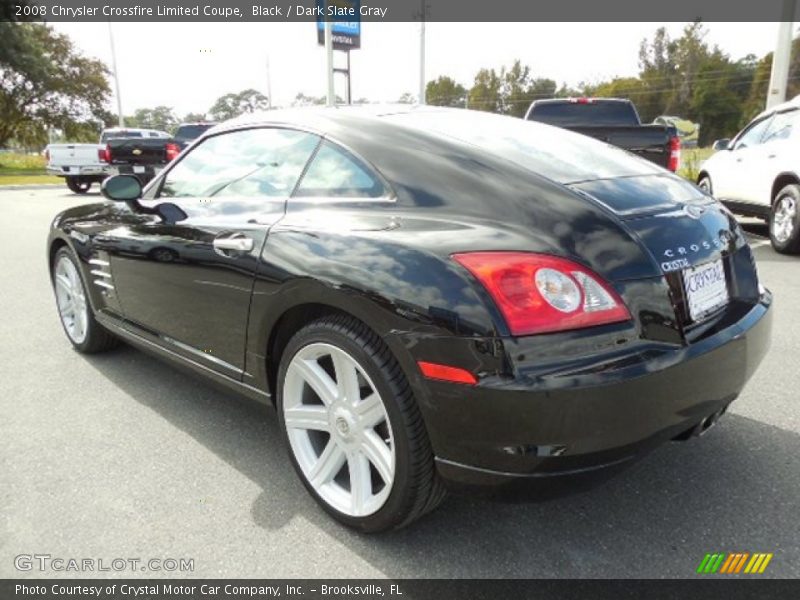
x=78 y=185
x=354 y=431
x=74 y=310
x=784 y=223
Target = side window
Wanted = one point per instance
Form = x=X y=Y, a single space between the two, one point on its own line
x=752 y=136
x=251 y=162
x=335 y=172
x=781 y=126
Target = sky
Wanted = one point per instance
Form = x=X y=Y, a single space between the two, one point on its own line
x=187 y=66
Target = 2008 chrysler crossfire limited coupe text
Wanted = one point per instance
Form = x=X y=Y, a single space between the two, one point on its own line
x=431 y=298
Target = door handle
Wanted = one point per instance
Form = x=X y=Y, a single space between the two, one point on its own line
x=236 y=243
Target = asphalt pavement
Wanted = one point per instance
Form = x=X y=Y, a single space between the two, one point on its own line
x=121 y=456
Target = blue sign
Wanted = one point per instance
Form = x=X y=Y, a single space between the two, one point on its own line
x=346 y=20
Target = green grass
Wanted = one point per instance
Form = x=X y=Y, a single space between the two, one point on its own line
x=23 y=169
x=691 y=159
x=27 y=179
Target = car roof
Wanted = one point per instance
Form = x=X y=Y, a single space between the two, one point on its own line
x=575 y=99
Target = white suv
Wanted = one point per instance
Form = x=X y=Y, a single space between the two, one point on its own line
x=757 y=174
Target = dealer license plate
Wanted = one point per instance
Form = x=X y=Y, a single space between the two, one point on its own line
x=706 y=288
x=138 y=169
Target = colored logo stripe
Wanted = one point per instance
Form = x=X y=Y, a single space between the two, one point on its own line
x=734 y=562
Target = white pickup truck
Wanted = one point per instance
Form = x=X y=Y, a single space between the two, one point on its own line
x=81 y=165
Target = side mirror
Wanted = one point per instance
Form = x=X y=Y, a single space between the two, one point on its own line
x=723 y=144
x=122 y=188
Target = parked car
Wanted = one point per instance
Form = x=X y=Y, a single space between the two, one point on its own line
x=757 y=174
x=688 y=131
x=188 y=132
x=430 y=298
x=81 y=165
x=612 y=120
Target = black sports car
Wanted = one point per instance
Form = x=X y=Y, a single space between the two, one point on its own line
x=431 y=298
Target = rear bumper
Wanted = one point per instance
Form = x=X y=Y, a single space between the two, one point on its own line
x=565 y=432
x=143 y=172
x=85 y=171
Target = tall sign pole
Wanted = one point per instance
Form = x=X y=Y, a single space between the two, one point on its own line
x=269 y=85
x=338 y=28
x=781 y=57
x=329 y=61
x=116 y=75
x=422 y=53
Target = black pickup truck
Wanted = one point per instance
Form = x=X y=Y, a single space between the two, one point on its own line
x=612 y=120
x=144 y=157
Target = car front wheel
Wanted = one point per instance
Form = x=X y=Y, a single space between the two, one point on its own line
x=354 y=431
x=74 y=309
x=784 y=223
x=704 y=183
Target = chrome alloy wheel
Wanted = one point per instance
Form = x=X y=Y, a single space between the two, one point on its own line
x=71 y=300
x=338 y=429
x=784 y=218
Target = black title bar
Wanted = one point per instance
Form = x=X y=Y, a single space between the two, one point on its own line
x=276 y=11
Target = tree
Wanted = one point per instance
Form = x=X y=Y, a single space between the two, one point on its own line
x=444 y=91
x=194 y=117
x=302 y=100
x=485 y=92
x=45 y=82
x=161 y=117
x=232 y=105
x=406 y=98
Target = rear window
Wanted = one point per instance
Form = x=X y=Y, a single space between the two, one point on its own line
x=191 y=132
x=555 y=153
x=576 y=114
x=115 y=135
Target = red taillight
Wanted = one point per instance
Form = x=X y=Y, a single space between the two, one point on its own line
x=539 y=293
x=47 y=154
x=104 y=154
x=446 y=373
x=172 y=150
x=674 y=162
x=582 y=100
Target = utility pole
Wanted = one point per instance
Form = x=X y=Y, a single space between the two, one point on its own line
x=269 y=86
x=776 y=93
x=422 y=52
x=116 y=75
x=329 y=61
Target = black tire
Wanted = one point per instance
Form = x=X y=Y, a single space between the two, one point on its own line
x=704 y=183
x=417 y=488
x=98 y=339
x=789 y=195
x=164 y=255
x=78 y=185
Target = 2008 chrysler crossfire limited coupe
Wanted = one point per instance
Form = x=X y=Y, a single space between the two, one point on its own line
x=432 y=299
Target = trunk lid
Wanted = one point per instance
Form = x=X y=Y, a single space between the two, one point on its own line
x=138 y=151
x=677 y=224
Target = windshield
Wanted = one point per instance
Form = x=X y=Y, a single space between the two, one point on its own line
x=555 y=153
x=590 y=113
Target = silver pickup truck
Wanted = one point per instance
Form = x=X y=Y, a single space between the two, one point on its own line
x=81 y=165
